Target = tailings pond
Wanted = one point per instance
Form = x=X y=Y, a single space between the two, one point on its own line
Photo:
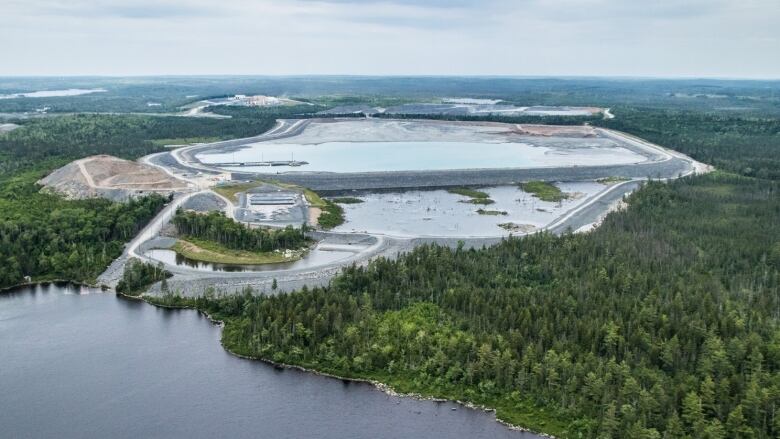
x=440 y=213
x=417 y=156
x=80 y=363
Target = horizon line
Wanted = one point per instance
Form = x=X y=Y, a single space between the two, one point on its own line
x=351 y=75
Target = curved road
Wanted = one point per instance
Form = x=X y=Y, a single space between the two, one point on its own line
x=183 y=164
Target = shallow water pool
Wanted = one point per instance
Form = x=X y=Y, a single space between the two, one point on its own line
x=440 y=213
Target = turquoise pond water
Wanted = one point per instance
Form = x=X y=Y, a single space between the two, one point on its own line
x=414 y=156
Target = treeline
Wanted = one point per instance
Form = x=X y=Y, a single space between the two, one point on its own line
x=139 y=276
x=215 y=226
x=747 y=145
x=545 y=120
x=279 y=111
x=663 y=322
x=171 y=92
x=47 y=237
x=332 y=215
x=49 y=141
x=742 y=144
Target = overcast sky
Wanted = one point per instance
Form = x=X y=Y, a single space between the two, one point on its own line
x=702 y=38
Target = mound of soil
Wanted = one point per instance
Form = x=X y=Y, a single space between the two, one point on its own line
x=109 y=177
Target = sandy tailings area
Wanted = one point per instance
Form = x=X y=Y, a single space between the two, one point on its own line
x=575 y=131
x=109 y=177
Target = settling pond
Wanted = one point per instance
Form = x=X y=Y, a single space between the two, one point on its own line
x=52 y=93
x=313 y=258
x=440 y=213
x=80 y=363
x=415 y=156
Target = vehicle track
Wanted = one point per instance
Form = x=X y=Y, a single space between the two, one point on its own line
x=662 y=163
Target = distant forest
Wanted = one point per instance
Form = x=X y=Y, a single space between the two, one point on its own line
x=747 y=145
x=662 y=323
x=47 y=237
x=47 y=142
x=136 y=94
x=216 y=227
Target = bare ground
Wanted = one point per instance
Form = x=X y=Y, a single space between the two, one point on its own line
x=109 y=177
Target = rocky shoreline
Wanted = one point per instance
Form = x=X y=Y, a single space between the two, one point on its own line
x=50 y=281
x=385 y=388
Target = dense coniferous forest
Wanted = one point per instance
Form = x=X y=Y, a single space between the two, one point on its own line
x=138 y=276
x=136 y=94
x=215 y=226
x=747 y=145
x=55 y=139
x=661 y=323
x=238 y=111
x=46 y=237
x=664 y=321
x=740 y=143
x=545 y=120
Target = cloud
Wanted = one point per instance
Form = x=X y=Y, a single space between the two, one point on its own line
x=127 y=9
x=447 y=4
x=153 y=11
x=506 y=37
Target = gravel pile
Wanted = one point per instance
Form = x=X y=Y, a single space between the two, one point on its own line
x=205 y=202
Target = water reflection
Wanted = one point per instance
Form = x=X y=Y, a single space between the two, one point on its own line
x=440 y=213
x=413 y=156
x=313 y=258
x=91 y=366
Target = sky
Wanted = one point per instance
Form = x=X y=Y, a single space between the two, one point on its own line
x=646 y=38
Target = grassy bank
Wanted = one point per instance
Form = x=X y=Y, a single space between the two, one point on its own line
x=611 y=180
x=475 y=196
x=544 y=191
x=346 y=200
x=186 y=140
x=332 y=214
x=209 y=251
x=468 y=192
x=231 y=191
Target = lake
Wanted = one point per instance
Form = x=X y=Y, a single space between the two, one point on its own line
x=52 y=93
x=76 y=362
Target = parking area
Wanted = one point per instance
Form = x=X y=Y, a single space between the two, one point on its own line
x=273 y=206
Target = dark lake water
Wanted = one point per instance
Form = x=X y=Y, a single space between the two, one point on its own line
x=75 y=362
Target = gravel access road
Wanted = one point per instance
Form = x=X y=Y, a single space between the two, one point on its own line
x=660 y=164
